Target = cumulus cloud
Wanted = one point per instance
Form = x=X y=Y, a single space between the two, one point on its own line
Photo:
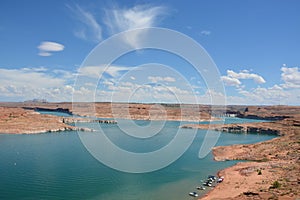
x=286 y=93
x=291 y=77
x=22 y=84
x=91 y=30
x=233 y=78
x=46 y=48
x=125 y=91
x=230 y=81
x=246 y=75
x=275 y=95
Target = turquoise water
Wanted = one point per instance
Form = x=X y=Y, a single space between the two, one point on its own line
x=61 y=114
x=57 y=166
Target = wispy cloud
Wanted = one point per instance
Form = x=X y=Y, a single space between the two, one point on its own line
x=91 y=29
x=46 y=48
x=155 y=79
x=205 y=32
x=35 y=69
x=115 y=20
x=137 y=17
x=97 y=71
x=140 y=16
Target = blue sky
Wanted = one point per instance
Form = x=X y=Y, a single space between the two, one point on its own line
x=255 y=45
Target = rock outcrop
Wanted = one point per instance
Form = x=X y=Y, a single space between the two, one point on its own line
x=261 y=128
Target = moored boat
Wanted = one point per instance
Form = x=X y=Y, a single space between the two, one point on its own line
x=193 y=194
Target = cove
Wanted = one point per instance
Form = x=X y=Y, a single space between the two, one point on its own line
x=57 y=166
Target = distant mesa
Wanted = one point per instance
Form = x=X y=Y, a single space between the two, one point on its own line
x=36 y=101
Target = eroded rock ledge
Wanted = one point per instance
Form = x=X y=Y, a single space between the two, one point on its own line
x=262 y=128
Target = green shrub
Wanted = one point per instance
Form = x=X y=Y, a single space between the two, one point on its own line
x=259 y=172
x=276 y=184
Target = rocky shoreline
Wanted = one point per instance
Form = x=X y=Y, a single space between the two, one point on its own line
x=273 y=167
x=260 y=128
x=273 y=171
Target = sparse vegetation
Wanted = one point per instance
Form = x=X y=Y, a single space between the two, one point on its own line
x=275 y=185
x=259 y=172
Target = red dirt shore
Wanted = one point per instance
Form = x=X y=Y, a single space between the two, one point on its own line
x=20 y=121
x=273 y=167
x=273 y=170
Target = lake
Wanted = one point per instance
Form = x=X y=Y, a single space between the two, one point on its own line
x=58 y=166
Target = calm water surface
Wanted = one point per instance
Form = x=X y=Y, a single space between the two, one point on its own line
x=57 y=166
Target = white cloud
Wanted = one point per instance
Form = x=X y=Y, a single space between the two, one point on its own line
x=96 y=71
x=24 y=84
x=274 y=95
x=286 y=93
x=205 y=32
x=117 y=20
x=21 y=77
x=233 y=78
x=42 y=53
x=291 y=77
x=230 y=81
x=134 y=92
x=155 y=79
x=56 y=85
x=35 y=69
x=137 y=17
x=140 y=16
x=91 y=30
x=246 y=75
x=46 y=48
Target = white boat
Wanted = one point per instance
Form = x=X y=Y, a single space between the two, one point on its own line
x=220 y=180
x=208 y=183
x=200 y=188
x=193 y=194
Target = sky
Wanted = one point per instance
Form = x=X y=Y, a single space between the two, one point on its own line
x=47 y=46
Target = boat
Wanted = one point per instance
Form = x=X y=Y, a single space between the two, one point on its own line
x=209 y=184
x=221 y=179
x=212 y=177
x=193 y=194
x=200 y=188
